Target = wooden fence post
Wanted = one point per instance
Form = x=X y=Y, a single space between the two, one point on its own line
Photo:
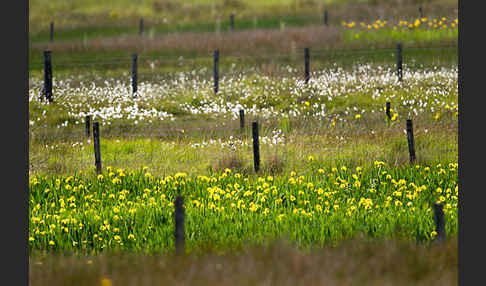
x=134 y=75
x=96 y=141
x=216 y=71
x=140 y=27
x=306 y=65
x=232 y=22
x=47 y=76
x=242 y=119
x=411 y=143
x=51 y=32
x=421 y=12
x=256 y=147
x=388 y=106
x=88 y=125
x=439 y=222
x=399 y=61
x=179 y=225
x=325 y=18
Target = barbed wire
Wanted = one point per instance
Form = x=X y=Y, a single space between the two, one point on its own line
x=211 y=132
x=170 y=59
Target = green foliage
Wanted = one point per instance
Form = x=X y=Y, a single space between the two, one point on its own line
x=133 y=210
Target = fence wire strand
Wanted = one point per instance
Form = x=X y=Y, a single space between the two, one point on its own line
x=171 y=59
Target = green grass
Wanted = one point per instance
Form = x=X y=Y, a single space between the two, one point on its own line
x=410 y=37
x=70 y=241
x=74 y=15
x=310 y=144
x=93 y=32
x=118 y=63
x=226 y=210
x=166 y=140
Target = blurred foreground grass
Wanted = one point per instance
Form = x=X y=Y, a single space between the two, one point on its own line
x=355 y=262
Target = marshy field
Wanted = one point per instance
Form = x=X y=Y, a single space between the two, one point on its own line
x=336 y=199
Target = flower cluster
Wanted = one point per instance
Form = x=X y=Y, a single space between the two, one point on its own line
x=126 y=209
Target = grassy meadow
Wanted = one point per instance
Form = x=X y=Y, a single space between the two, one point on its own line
x=336 y=192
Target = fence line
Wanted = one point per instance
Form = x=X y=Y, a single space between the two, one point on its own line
x=171 y=59
x=186 y=134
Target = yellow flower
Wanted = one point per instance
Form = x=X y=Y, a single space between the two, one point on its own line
x=357 y=116
x=310 y=158
x=51 y=242
x=379 y=163
x=105 y=282
x=247 y=193
x=100 y=177
x=306 y=103
x=253 y=207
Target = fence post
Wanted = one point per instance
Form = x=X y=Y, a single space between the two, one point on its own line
x=242 y=119
x=216 y=71
x=232 y=22
x=96 y=141
x=411 y=143
x=47 y=76
x=179 y=225
x=88 y=125
x=439 y=222
x=134 y=75
x=51 y=32
x=399 y=61
x=256 y=146
x=325 y=18
x=421 y=12
x=388 y=106
x=140 y=27
x=306 y=64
